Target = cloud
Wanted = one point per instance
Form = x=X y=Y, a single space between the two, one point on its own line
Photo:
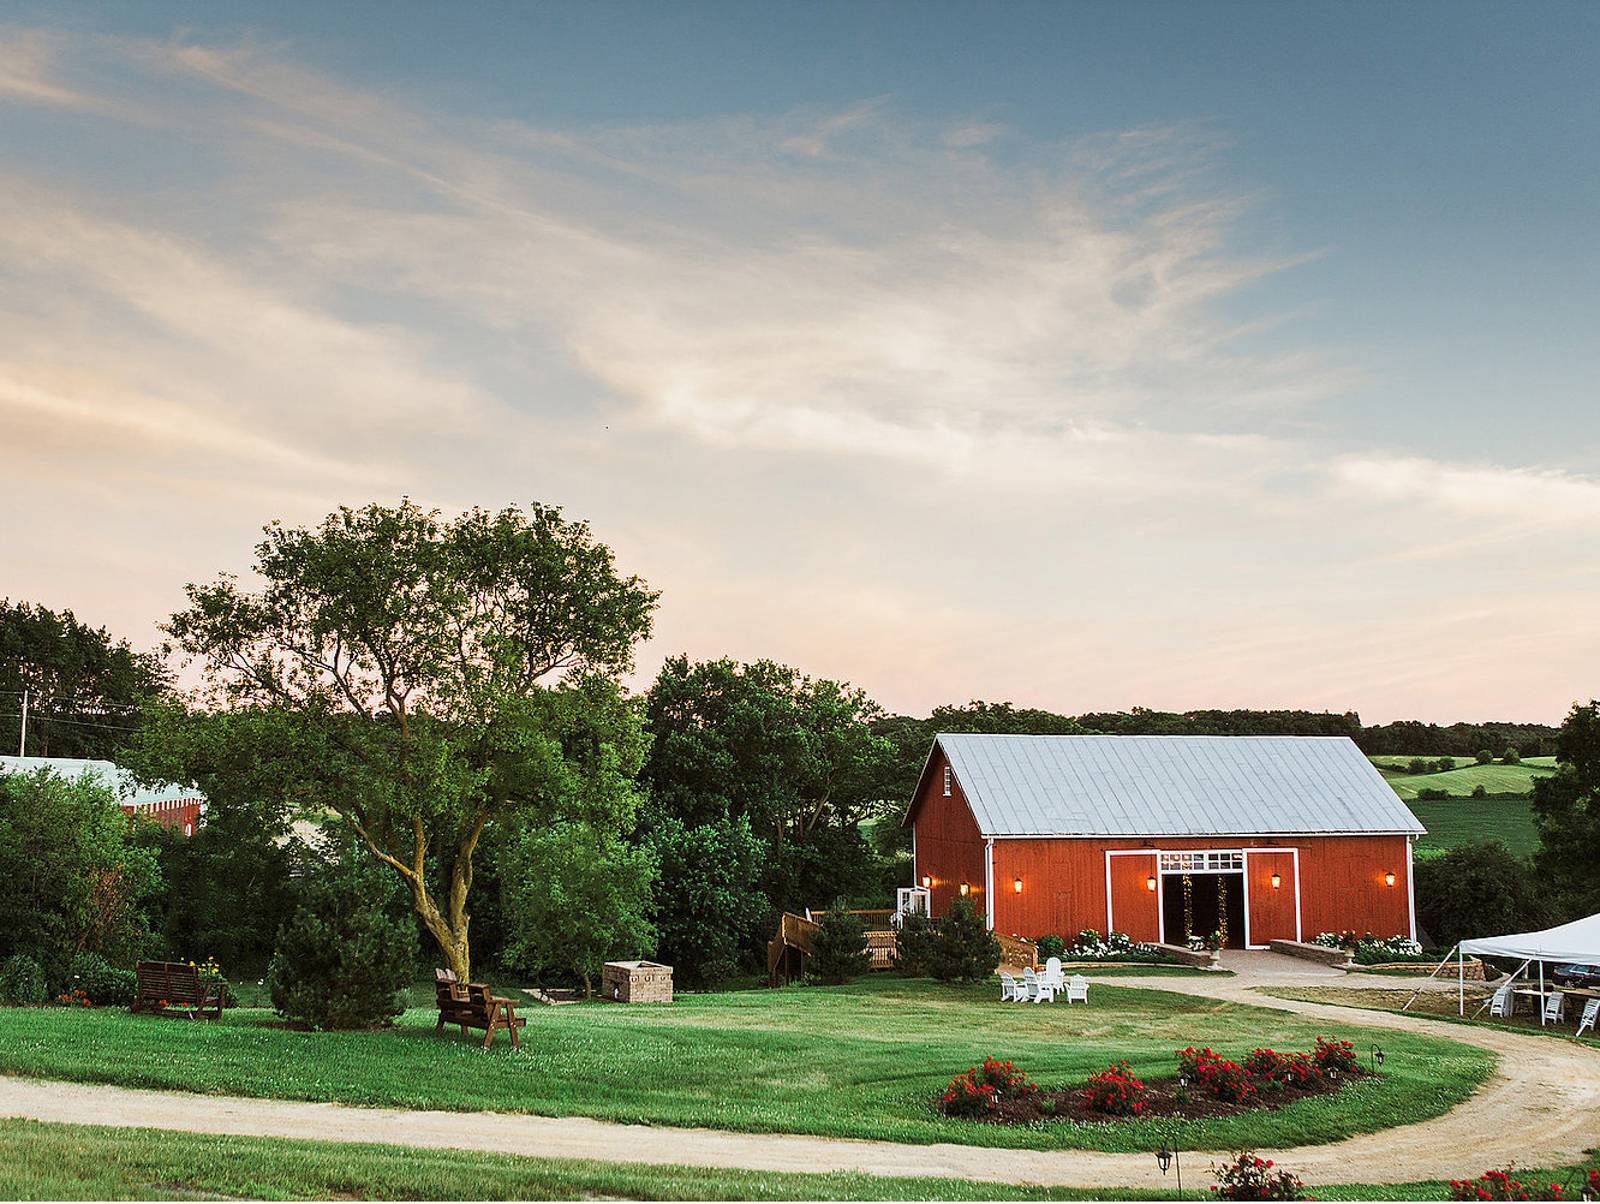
x=930 y=404
x=1522 y=497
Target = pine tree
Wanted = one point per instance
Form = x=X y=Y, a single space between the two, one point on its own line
x=839 y=950
x=964 y=950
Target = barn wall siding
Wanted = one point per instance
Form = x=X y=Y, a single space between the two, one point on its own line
x=1064 y=883
x=949 y=848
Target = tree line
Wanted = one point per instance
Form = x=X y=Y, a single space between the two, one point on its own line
x=442 y=697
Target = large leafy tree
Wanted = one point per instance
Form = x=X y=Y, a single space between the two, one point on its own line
x=423 y=676
x=85 y=688
x=1566 y=806
x=74 y=877
x=793 y=757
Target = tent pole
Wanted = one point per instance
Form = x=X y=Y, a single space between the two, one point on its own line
x=1461 y=982
x=1512 y=979
x=1541 y=994
x=1431 y=977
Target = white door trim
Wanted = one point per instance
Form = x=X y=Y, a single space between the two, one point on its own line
x=1156 y=854
x=1294 y=854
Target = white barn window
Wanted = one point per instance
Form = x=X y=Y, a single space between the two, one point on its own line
x=947 y=781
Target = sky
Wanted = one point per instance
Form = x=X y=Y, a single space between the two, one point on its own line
x=1082 y=355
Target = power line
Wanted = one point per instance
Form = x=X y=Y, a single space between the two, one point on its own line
x=115 y=727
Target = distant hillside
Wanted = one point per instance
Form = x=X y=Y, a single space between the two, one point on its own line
x=1495 y=778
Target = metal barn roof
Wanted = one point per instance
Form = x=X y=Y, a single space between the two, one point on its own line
x=108 y=774
x=1173 y=786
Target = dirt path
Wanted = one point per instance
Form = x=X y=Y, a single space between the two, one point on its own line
x=1542 y=1108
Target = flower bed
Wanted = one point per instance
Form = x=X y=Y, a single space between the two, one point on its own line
x=1369 y=950
x=1090 y=947
x=1207 y=1084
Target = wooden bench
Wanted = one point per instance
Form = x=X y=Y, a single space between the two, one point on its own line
x=175 y=989
x=474 y=1005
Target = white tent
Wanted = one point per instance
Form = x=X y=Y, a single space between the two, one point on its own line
x=1578 y=941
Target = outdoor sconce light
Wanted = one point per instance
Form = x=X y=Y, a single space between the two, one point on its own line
x=927 y=881
x=965 y=888
x=1016 y=885
x=1388 y=879
x=1150 y=882
x=1277 y=881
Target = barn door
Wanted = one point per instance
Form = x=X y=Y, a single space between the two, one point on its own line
x=1272 y=912
x=1133 y=907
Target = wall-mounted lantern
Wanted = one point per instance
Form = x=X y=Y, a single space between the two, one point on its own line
x=1388 y=879
x=1016 y=885
x=927 y=881
x=1277 y=881
x=965 y=888
x=1150 y=882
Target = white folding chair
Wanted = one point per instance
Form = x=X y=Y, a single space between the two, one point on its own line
x=1591 y=1013
x=1052 y=973
x=1008 y=988
x=1555 y=1007
x=1502 y=1004
x=1077 y=989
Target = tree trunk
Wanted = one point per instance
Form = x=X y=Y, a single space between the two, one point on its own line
x=452 y=941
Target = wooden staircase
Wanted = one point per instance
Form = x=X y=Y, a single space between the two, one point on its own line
x=787 y=951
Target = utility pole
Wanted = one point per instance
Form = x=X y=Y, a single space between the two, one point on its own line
x=22 y=740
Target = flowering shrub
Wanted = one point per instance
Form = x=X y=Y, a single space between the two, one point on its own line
x=1504 y=1185
x=74 y=998
x=1115 y=1091
x=1215 y=1075
x=1248 y=1177
x=979 y=1090
x=1301 y=1070
x=1333 y=1056
x=1371 y=951
x=1090 y=946
x=1336 y=940
x=104 y=983
x=1264 y=1063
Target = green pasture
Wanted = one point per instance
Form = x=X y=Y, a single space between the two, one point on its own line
x=860 y=1061
x=1455 y=821
x=1495 y=779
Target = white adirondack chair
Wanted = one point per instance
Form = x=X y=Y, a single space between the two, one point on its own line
x=1591 y=1013
x=1077 y=989
x=1555 y=1007
x=1052 y=973
x=1502 y=1003
x=1008 y=988
x=1039 y=991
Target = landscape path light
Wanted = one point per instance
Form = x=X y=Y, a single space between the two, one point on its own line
x=1166 y=1158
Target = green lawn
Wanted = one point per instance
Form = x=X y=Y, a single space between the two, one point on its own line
x=857 y=1061
x=1455 y=821
x=73 y=1162
x=1433 y=1004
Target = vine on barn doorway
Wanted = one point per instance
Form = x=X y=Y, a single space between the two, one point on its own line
x=1222 y=909
x=1188 y=908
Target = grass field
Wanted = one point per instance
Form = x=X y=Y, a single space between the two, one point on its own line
x=856 y=1061
x=1437 y=1004
x=1495 y=778
x=1455 y=821
x=73 y=1162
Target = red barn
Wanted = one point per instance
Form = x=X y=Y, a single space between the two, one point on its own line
x=167 y=803
x=1281 y=837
